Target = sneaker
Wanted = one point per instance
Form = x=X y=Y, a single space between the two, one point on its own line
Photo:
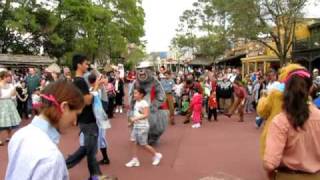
x=259 y=122
x=103 y=177
x=195 y=125
x=117 y=110
x=104 y=161
x=133 y=163
x=157 y=159
x=198 y=125
x=120 y=110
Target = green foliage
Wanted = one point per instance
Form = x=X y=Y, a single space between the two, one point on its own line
x=134 y=57
x=206 y=20
x=262 y=20
x=100 y=29
x=259 y=20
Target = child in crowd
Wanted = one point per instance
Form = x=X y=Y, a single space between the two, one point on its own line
x=196 y=106
x=111 y=97
x=140 y=129
x=178 y=88
x=102 y=141
x=212 y=104
x=36 y=101
x=22 y=96
x=249 y=102
x=185 y=105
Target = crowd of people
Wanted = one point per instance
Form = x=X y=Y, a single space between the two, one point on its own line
x=285 y=104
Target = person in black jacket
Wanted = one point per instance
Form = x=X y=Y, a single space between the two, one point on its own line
x=119 y=88
x=86 y=121
x=22 y=97
x=224 y=94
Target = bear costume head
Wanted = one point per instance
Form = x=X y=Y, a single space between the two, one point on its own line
x=145 y=72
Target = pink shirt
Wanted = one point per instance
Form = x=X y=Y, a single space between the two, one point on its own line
x=297 y=150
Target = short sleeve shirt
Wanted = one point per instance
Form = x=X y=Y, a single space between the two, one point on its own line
x=32 y=83
x=138 y=111
x=87 y=116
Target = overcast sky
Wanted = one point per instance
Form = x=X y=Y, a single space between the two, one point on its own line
x=162 y=17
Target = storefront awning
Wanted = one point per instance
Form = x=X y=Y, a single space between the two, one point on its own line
x=260 y=59
x=232 y=60
x=9 y=60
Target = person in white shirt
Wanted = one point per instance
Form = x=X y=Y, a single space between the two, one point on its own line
x=9 y=116
x=178 y=88
x=272 y=80
x=33 y=151
x=140 y=129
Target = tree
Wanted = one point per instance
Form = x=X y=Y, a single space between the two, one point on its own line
x=186 y=32
x=209 y=23
x=212 y=45
x=25 y=26
x=101 y=29
x=134 y=56
x=262 y=20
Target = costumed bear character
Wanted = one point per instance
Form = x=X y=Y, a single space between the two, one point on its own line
x=159 y=112
x=270 y=104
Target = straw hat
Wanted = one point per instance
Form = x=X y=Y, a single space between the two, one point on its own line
x=53 y=68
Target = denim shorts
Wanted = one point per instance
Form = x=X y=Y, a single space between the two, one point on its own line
x=140 y=135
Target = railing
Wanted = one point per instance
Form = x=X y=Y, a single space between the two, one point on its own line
x=308 y=43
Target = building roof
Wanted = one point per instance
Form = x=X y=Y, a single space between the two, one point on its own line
x=232 y=58
x=25 y=60
x=314 y=25
x=201 y=61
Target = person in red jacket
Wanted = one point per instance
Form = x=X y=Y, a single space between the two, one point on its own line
x=212 y=104
x=196 y=106
x=189 y=90
x=240 y=95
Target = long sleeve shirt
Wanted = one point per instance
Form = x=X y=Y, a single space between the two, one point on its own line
x=295 y=149
x=33 y=153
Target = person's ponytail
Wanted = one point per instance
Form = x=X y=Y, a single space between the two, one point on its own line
x=296 y=100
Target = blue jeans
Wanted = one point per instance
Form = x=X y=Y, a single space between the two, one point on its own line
x=90 y=134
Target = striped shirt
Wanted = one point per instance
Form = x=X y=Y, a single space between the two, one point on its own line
x=33 y=153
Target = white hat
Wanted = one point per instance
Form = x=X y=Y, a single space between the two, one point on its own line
x=53 y=68
x=144 y=64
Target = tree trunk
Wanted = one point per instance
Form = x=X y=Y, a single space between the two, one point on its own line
x=283 y=60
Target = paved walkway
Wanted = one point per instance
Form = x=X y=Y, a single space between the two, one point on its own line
x=223 y=150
